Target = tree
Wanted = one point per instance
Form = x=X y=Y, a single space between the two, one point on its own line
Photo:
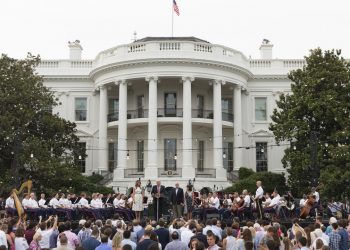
x=248 y=178
x=34 y=143
x=314 y=118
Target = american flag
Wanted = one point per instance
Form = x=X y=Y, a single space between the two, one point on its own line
x=176 y=8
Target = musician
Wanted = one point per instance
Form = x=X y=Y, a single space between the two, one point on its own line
x=245 y=205
x=83 y=202
x=227 y=202
x=259 y=194
x=10 y=206
x=273 y=206
x=267 y=200
x=158 y=192
x=178 y=201
x=214 y=201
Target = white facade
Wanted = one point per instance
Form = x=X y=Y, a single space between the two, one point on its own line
x=172 y=109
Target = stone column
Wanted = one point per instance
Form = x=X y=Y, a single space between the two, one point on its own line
x=217 y=131
x=188 y=170
x=122 y=129
x=151 y=170
x=237 y=128
x=102 y=140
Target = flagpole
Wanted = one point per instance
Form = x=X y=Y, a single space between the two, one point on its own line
x=172 y=20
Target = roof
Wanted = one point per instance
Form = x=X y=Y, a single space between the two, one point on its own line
x=185 y=38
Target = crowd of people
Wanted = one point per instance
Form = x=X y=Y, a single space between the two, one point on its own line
x=195 y=222
x=178 y=234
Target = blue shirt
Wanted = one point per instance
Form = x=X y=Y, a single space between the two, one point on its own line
x=103 y=246
x=344 y=238
x=90 y=243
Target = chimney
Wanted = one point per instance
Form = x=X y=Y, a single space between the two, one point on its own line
x=75 y=50
x=266 y=50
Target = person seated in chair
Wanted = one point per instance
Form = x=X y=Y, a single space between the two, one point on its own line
x=273 y=207
x=246 y=204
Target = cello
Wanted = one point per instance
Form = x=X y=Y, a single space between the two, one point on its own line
x=311 y=199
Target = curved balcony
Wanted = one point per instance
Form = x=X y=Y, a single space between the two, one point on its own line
x=170 y=112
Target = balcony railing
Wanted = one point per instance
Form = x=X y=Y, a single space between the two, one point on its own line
x=228 y=117
x=138 y=113
x=170 y=112
x=112 y=117
x=206 y=173
x=133 y=173
x=202 y=113
x=169 y=173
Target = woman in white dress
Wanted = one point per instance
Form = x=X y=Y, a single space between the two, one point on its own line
x=137 y=197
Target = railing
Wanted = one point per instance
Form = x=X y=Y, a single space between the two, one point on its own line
x=48 y=64
x=203 y=48
x=227 y=117
x=169 y=46
x=206 y=173
x=138 y=113
x=133 y=173
x=294 y=63
x=137 y=48
x=170 y=112
x=112 y=117
x=259 y=63
x=169 y=173
x=81 y=64
x=202 y=113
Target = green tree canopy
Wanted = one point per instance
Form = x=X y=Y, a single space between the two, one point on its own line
x=34 y=143
x=315 y=119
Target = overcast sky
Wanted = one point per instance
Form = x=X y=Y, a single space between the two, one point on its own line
x=294 y=26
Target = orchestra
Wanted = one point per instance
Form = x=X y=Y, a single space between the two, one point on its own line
x=242 y=205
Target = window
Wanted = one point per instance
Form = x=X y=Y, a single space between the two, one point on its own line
x=140 y=106
x=200 y=106
x=227 y=156
x=170 y=104
x=113 y=110
x=81 y=158
x=170 y=155
x=260 y=109
x=227 y=112
x=81 y=109
x=200 y=156
x=140 y=153
x=261 y=156
x=112 y=156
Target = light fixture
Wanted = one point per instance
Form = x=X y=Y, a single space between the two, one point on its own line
x=326 y=145
x=31 y=155
x=128 y=155
x=79 y=157
x=295 y=147
x=262 y=150
x=224 y=155
x=175 y=157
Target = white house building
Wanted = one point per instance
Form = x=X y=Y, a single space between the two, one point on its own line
x=174 y=109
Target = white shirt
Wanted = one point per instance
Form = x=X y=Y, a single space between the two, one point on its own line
x=83 y=202
x=21 y=243
x=25 y=203
x=32 y=203
x=10 y=203
x=115 y=202
x=45 y=239
x=99 y=202
x=247 y=201
x=215 y=202
x=54 y=203
x=317 y=195
x=64 y=202
x=275 y=201
x=186 y=236
x=302 y=202
x=3 y=240
x=94 y=203
x=205 y=230
x=217 y=231
x=259 y=193
x=42 y=203
x=129 y=242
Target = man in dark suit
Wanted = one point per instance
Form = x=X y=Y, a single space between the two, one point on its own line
x=177 y=199
x=158 y=194
x=163 y=233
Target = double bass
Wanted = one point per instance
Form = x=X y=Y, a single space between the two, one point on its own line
x=311 y=199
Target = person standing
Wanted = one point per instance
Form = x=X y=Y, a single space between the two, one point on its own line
x=189 y=199
x=177 y=199
x=158 y=192
x=259 y=194
x=137 y=197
